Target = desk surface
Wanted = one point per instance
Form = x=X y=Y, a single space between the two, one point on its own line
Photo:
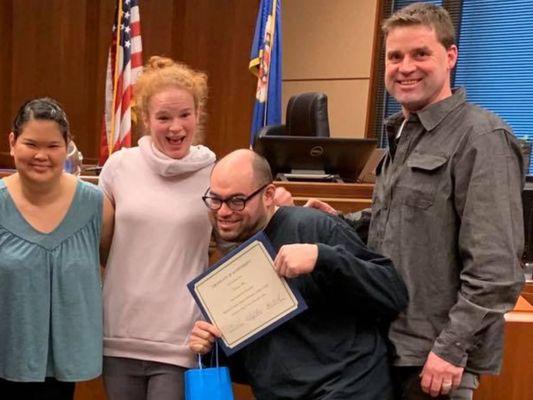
x=523 y=310
x=345 y=197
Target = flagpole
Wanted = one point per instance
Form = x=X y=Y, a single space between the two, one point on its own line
x=274 y=9
x=111 y=143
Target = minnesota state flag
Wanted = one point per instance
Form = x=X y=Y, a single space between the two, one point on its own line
x=265 y=63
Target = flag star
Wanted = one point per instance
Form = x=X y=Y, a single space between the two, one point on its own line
x=127 y=29
x=127 y=2
x=121 y=27
x=127 y=14
x=127 y=44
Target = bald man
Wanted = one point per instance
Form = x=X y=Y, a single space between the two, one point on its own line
x=335 y=349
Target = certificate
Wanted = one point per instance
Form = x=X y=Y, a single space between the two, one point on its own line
x=244 y=296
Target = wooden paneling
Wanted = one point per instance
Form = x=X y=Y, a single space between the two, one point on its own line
x=216 y=37
x=5 y=81
x=327 y=47
x=516 y=377
x=347 y=100
x=327 y=39
x=373 y=125
x=58 y=48
x=55 y=48
x=345 y=197
x=515 y=380
x=94 y=390
x=90 y=390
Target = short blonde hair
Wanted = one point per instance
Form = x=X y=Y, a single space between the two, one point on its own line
x=426 y=14
x=161 y=73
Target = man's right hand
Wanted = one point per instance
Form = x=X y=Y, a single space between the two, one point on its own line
x=439 y=376
x=320 y=205
x=202 y=337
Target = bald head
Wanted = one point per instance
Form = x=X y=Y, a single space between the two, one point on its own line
x=244 y=164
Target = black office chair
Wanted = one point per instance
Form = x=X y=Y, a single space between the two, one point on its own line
x=307 y=115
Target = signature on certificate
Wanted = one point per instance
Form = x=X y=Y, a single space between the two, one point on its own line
x=253 y=314
x=275 y=301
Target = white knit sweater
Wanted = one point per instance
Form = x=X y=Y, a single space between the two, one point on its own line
x=160 y=243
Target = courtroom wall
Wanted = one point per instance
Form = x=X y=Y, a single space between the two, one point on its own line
x=327 y=46
x=5 y=71
x=59 y=48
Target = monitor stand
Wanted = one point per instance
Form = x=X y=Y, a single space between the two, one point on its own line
x=307 y=175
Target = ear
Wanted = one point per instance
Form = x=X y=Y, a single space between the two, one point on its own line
x=146 y=122
x=268 y=194
x=452 y=55
x=12 y=140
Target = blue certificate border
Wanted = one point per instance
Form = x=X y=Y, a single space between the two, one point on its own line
x=300 y=302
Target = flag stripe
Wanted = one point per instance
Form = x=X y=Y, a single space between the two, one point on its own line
x=135 y=28
x=136 y=45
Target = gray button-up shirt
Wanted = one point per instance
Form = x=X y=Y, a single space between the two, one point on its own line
x=447 y=210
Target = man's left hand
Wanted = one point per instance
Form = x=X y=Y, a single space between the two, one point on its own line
x=282 y=197
x=296 y=259
x=439 y=376
x=321 y=205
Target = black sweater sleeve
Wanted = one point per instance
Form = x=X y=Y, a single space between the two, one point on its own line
x=358 y=277
x=346 y=272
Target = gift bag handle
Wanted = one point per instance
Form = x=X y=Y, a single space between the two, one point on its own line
x=200 y=365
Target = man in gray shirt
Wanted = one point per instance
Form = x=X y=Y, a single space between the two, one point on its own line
x=447 y=210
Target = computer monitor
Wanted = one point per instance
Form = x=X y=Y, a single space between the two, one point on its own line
x=311 y=158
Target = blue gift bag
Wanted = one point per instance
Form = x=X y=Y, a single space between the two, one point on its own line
x=208 y=383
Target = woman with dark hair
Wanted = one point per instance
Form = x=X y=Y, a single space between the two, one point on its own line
x=55 y=231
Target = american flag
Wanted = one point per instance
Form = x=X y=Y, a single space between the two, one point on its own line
x=124 y=64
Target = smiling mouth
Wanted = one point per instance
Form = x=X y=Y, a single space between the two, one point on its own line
x=39 y=167
x=175 y=141
x=226 y=223
x=408 y=82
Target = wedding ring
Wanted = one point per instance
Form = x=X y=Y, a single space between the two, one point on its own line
x=446 y=387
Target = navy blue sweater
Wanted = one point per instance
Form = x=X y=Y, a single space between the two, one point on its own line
x=336 y=349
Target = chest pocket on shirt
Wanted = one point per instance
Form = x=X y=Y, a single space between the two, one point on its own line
x=420 y=182
x=378 y=193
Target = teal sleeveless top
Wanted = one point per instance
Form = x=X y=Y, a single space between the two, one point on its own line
x=50 y=292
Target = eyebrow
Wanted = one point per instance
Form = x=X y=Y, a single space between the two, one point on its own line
x=227 y=197
x=423 y=48
x=41 y=141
